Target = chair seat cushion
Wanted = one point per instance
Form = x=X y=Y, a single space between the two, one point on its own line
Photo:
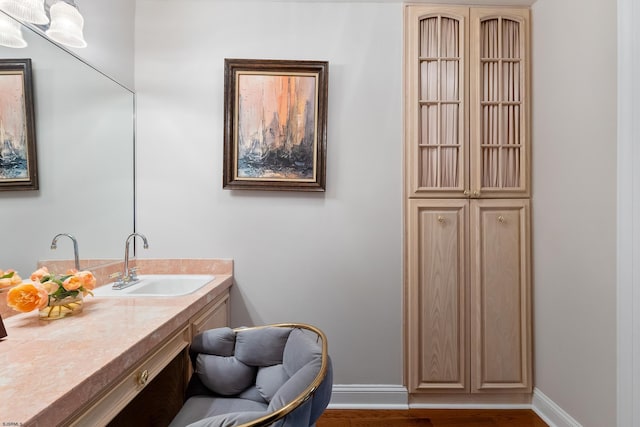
x=232 y=419
x=269 y=380
x=227 y=376
x=200 y=407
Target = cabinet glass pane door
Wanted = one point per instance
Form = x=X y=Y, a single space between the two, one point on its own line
x=501 y=90
x=441 y=137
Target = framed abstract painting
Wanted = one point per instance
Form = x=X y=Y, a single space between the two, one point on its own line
x=18 y=166
x=275 y=124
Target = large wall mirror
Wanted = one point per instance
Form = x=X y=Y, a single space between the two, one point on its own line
x=84 y=125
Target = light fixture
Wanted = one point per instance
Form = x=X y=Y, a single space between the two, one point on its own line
x=31 y=11
x=10 y=32
x=66 y=25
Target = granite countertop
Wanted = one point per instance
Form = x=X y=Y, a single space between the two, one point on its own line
x=50 y=369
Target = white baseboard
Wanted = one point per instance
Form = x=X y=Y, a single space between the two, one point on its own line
x=385 y=396
x=470 y=406
x=369 y=396
x=391 y=396
x=550 y=412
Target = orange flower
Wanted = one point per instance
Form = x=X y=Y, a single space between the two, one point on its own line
x=49 y=286
x=27 y=297
x=37 y=275
x=72 y=271
x=72 y=283
x=6 y=282
x=14 y=277
x=88 y=280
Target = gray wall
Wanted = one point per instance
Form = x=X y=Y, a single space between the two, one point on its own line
x=332 y=259
x=108 y=30
x=574 y=205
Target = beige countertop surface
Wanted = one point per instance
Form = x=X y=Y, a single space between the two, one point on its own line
x=50 y=369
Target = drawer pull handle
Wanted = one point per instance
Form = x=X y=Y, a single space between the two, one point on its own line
x=143 y=378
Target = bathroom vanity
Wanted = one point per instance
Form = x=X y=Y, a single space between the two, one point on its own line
x=88 y=369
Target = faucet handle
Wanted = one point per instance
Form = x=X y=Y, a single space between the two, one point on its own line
x=117 y=279
x=133 y=273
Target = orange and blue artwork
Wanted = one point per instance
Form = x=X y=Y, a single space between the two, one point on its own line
x=276 y=119
x=13 y=141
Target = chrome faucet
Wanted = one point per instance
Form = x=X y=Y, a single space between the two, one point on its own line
x=129 y=276
x=54 y=246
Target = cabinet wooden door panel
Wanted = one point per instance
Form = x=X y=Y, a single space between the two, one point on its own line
x=467 y=101
x=438 y=305
x=469 y=257
x=500 y=315
x=499 y=102
x=436 y=110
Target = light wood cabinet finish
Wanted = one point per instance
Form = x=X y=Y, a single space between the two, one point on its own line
x=467 y=183
x=499 y=102
x=468 y=257
x=500 y=296
x=436 y=161
x=466 y=101
x=437 y=294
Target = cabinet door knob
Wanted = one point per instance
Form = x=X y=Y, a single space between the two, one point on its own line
x=440 y=219
x=143 y=377
x=476 y=193
x=466 y=192
x=500 y=219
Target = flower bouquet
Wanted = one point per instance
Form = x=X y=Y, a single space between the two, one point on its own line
x=54 y=295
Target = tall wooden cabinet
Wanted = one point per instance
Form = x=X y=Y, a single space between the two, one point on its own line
x=467 y=207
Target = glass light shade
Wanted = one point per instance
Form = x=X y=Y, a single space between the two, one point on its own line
x=26 y=10
x=66 y=25
x=10 y=32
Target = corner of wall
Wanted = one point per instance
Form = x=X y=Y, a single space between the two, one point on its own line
x=550 y=412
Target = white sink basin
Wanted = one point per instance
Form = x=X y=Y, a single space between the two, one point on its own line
x=158 y=285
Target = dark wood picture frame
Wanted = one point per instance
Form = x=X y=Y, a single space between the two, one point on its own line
x=275 y=124
x=18 y=164
x=3 y=331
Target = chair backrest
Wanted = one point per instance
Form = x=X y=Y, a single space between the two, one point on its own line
x=286 y=366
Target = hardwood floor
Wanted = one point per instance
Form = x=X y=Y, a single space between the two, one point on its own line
x=430 y=418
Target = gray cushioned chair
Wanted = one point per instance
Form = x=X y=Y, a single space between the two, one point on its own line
x=279 y=375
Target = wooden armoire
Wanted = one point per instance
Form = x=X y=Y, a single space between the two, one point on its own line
x=467 y=205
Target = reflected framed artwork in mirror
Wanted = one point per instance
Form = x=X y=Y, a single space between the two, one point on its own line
x=275 y=124
x=18 y=166
x=3 y=331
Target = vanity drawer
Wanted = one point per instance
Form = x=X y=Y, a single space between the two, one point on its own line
x=106 y=407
